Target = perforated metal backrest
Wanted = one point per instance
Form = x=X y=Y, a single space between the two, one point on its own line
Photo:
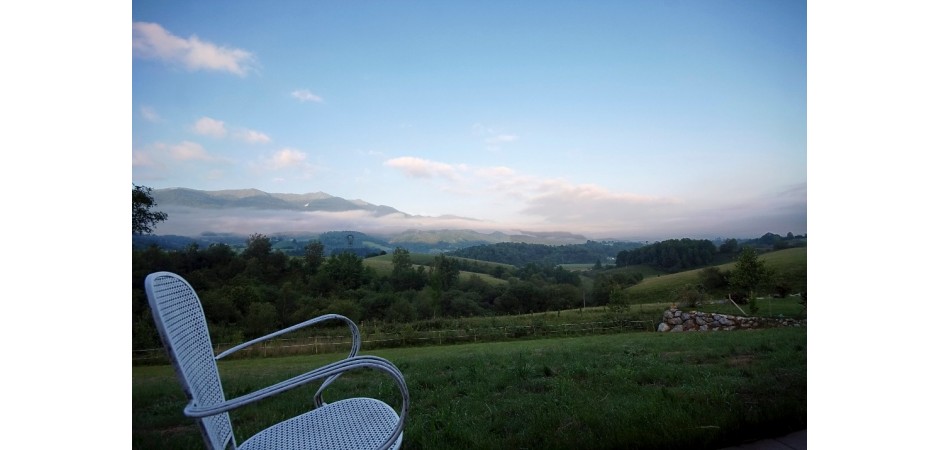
x=182 y=325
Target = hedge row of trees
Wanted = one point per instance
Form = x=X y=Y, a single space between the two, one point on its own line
x=260 y=290
x=672 y=255
x=519 y=253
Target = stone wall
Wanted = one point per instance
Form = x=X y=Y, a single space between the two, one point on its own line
x=676 y=320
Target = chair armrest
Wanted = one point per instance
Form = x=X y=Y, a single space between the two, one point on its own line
x=356 y=340
x=330 y=370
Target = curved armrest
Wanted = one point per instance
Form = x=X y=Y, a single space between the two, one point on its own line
x=331 y=370
x=356 y=340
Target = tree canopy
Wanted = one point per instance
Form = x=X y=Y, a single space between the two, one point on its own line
x=749 y=272
x=142 y=217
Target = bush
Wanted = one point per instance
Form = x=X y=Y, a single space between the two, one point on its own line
x=690 y=296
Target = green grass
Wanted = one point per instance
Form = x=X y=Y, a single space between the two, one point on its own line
x=635 y=390
x=383 y=266
x=790 y=264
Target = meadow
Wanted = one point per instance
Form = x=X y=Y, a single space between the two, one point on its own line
x=640 y=390
x=591 y=377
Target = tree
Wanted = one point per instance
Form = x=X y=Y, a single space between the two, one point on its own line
x=345 y=271
x=713 y=279
x=444 y=273
x=749 y=272
x=258 y=246
x=729 y=246
x=313 y=256
x=404 y=276
x=143 y=220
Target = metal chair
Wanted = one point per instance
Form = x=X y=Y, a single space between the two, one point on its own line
x=354 y=423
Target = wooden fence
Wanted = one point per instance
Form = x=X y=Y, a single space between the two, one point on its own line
x=340 y=343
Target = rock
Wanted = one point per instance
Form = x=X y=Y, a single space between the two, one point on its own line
x=663 y=327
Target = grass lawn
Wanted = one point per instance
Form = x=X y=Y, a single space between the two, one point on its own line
x=630 y=390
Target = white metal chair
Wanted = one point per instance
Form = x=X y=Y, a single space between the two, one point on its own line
x=354 y=423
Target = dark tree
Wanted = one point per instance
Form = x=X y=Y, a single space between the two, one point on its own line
x=404 y=276
x=258 y=246
x=313 y=256
x=749 y=272
x=143 y=220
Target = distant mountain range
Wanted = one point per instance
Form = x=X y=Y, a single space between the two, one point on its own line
x=229 y=216
x=255 y=199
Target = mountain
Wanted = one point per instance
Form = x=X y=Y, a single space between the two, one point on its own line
x=232 y=215
x=255 y=199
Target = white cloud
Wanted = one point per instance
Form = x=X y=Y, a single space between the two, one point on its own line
x=495 y=172
x=149 y=114
x=140 y=158
x=252 y=136
x=208 y=126
x=305 y=95
x=286 y=158
x=152 y=41
x=186 y=151
x=501 y=139
x=422 y=168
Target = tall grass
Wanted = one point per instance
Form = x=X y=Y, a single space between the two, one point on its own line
x=635 y=390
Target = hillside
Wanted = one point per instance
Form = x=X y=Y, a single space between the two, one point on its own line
x=789 y=265
x=255 y=199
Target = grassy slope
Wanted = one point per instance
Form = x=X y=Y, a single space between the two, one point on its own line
x=789 y=263
x=383 y=266
x=638 y=390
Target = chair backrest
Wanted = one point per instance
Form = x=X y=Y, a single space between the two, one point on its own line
x=182 y=326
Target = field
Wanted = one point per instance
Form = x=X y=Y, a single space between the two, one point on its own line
x=583 y=378
x=789 y=264
x=383 y=266
x=626 y=390
x=656 y=287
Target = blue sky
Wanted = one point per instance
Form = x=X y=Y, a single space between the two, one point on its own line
x=637 y=120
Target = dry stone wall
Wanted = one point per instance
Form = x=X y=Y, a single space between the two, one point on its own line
x=676 y=320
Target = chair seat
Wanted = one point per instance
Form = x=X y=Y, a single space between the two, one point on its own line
x=355 y=423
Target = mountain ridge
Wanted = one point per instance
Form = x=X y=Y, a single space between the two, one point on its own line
x=200 y=214
x=258 y=199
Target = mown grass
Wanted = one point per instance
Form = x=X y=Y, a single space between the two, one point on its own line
x=633 y=390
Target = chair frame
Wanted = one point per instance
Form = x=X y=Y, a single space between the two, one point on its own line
x=219 y=411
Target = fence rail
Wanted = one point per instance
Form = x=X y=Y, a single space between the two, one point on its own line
x=340 y=343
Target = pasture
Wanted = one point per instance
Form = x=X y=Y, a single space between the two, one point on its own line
x=625 y=390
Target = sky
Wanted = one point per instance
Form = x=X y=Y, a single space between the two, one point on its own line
x=644 y=120
x=621 y=119
x=76 y=116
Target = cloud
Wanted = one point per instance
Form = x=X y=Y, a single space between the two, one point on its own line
x=501 y=139
x=493 y=139
x=143 y=159
x=152 y=41
x=560 y=200
x=252 y=136
x=149 y=114
x=186 y=151
x=305 y=95
x=495 y=172
x=422 y=168
x=286 y=158
x=208 y=126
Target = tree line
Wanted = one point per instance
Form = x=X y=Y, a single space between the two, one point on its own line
x=260 y=289
x=520 y=253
